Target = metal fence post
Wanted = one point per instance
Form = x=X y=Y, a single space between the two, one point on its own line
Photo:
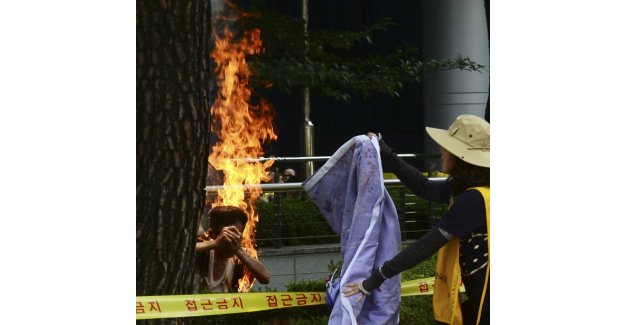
x=402 y=213
x=278 y=216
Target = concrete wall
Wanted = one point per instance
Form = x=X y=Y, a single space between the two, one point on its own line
x=290 y=264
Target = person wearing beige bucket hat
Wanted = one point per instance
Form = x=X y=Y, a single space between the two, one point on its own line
x=468 y=138
x=461 y=236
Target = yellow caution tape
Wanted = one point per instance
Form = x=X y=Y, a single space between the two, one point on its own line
x=149 y=307
x=420 y=287
x=222 y=303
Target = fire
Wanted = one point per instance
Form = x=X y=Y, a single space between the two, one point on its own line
x=241 y=128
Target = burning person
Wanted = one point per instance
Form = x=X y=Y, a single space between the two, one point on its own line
x=220 y=260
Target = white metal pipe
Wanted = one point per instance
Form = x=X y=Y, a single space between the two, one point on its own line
x=321 y=158
x=290 y=187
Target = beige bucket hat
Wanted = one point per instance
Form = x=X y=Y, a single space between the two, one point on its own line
x=468 y=138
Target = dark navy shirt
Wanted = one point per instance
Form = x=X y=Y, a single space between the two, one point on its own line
x=466 y=215
x=466 y=219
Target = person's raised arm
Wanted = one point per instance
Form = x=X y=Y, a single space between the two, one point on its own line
x=412 y=177
x=258 y=269
x=228 y=237
x=205 y=246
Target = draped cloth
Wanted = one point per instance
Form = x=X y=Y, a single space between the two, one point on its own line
x=349 y=191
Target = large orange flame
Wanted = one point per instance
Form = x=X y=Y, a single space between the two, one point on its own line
x=241 y=128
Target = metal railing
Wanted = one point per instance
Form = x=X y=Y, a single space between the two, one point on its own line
x=323 y=158
x=279 y=191
x=295 y=187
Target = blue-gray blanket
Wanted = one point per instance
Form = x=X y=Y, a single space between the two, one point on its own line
x=349 y=190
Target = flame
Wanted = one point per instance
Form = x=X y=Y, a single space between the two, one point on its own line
x=241 y=128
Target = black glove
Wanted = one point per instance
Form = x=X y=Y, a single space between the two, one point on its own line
x=373 y=282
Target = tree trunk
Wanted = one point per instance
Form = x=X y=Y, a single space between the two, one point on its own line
x=173 y=126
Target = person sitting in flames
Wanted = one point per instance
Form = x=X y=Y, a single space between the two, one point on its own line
x=220 y=259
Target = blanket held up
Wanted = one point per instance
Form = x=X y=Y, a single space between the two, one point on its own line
x=349 y=191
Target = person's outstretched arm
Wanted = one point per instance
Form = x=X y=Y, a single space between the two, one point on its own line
x=414 y=254
x=411 y=177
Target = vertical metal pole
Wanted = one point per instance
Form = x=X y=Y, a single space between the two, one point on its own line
x=307 y=130
x=278 y=212
x=308 y=134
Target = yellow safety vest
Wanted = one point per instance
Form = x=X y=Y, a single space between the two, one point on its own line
x=447 y=283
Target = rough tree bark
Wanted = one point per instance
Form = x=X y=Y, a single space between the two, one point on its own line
x=173 y=39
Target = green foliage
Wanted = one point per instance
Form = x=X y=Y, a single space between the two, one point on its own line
x=335 y=266
x=306 y=286
x=424 y=269
x=305 y=225
x=338 y=63
x=299 y=218
x=416 y=212
x=313 y=320
x=416 y=310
